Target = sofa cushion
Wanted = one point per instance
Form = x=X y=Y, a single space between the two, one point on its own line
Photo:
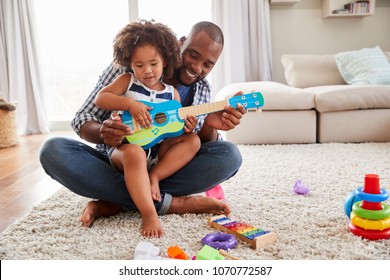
x=354 y=126
x=387 y=54
x=311 y=70
x=277 y=96
x=368 y=66
x=350 y=97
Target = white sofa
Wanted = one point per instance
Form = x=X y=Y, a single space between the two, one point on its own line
x=316 y=106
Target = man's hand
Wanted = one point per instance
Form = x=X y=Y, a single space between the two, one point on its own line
x=223 y=120
x=227 y=119
x=113 y=131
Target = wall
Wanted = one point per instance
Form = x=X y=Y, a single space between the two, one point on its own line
x=300 y=29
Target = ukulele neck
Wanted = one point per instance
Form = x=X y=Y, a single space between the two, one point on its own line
x=202 y=109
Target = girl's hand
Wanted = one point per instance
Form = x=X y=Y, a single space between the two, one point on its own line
x=140 y=114
x=190 y=124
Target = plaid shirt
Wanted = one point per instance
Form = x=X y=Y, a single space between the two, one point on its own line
x=90 y=112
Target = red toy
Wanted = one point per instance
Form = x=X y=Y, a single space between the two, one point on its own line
x=216 y=192
x=370 y=217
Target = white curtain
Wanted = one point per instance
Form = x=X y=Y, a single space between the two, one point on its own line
x=247 y=52
x=19 y=72
x=3 y=60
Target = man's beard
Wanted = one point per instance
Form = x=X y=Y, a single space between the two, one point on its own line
x=178 y=73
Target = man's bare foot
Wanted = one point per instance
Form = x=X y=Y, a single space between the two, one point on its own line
x=198 y=205
x=151 y=226
x=97 y=209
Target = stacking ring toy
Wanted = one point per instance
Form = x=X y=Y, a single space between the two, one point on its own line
x=371 y=214
x=383 y=196
x=349 y=201
x=370 y=224
x=220 y=240
x=369 y=234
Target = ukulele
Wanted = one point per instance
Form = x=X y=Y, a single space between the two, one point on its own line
x=168 y=117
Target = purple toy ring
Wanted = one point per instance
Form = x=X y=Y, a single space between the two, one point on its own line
x=220 y=240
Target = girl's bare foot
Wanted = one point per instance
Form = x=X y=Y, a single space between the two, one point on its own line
x=97 y=209
x=151 y=226
x=155 y=187
x=198 y=205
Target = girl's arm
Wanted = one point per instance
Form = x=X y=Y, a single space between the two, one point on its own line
x=176 y=95
x=110 y=97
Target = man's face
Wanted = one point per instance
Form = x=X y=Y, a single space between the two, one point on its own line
x=199 y=55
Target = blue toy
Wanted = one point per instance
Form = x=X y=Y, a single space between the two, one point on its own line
x=168 y=117
x=349 y=201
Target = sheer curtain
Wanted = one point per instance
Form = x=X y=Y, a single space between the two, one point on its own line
x=247 y=52
x=19 y=72
x=3 y=60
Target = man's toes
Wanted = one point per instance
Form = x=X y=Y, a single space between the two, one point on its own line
x=87 y=218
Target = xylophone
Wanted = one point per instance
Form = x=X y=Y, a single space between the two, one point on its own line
x=256 y=237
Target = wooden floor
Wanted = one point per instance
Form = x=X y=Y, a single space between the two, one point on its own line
x=23 y=182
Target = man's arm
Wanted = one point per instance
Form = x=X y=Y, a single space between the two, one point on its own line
x=94 y=124
x=111 y=132
x=224 y=120
x=90 y=131
x=207 y=133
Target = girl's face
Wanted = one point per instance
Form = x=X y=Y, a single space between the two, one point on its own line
x=147 y=65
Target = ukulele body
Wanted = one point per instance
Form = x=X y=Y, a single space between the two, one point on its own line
x=166 y=123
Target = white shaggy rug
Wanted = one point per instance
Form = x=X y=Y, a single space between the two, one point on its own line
x=313 y=226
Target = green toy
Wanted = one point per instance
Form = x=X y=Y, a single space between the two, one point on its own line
x=209 y=253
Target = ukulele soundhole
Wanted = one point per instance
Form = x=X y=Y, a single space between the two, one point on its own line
x=160 y=118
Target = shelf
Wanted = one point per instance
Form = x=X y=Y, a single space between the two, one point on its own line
x=328 y=6
x=283 y=1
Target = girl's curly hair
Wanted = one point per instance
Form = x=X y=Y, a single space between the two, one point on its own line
x=142 y=33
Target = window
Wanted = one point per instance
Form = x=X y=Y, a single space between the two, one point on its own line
x=75 y=41
x=178 y=14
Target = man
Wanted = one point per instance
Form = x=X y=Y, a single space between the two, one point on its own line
x=87 y=172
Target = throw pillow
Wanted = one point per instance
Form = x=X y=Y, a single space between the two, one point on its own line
x=368 y=66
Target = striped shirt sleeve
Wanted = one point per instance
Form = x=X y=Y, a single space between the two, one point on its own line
x=202 y=95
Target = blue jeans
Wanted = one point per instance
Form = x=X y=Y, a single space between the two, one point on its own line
x=87 y=172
